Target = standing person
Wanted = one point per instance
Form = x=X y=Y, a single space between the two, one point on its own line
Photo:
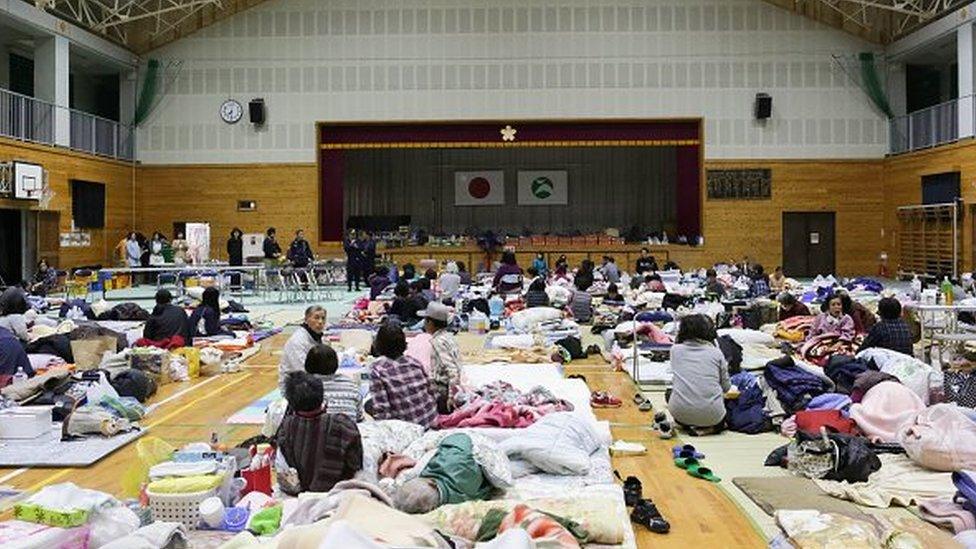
x=133 y=256
x=300 y=252
x=399 y=384
x=156 y=249
x=235 y=248
x=540 y=265
x=180 y=248
x=271 y=248
x=701 y=377
x=645 y=263
x=354 y=260
x=368 y=245
x=306 y=336
x=445 y=357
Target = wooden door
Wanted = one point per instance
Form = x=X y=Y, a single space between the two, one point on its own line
x=49 y=238
x=809 y=243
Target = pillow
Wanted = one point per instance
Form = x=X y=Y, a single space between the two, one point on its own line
x=526 y=320
x=559 y=443
x=743 y=336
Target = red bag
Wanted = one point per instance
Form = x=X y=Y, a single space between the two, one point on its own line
x=810 y=421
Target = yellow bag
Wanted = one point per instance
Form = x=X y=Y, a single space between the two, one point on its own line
x=149 y=451
x=192 y=355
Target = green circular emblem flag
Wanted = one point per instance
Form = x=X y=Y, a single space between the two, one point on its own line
x=542 y=187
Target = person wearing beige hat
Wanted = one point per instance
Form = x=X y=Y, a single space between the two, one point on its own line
x=445 y=357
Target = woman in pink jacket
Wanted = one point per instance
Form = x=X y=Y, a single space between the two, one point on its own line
x=833 y=320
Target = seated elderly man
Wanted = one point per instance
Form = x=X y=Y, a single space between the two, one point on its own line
x=296 y=349
x=451 y=476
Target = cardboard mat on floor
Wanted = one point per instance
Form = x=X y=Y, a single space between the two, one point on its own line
x=54 y=453
x=773 y=494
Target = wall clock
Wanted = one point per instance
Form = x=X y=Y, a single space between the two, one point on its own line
x=231 y=111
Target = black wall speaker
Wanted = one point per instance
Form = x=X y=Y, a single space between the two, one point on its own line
x=764 y=106
x=256 y=111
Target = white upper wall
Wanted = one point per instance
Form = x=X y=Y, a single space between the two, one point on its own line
x=313 y=60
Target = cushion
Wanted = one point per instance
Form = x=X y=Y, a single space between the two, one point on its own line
x=559 y=443
x=744 y=336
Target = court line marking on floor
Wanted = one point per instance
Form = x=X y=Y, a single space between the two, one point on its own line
x=56 y=476
x=12 y=474
x=156 y=405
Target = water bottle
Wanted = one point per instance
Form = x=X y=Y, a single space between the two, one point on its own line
x=496 y=306
x=947 y=291
x=20 y=376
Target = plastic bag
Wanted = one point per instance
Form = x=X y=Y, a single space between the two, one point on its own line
x=97 y=390
x=149 y=451
x=177 y=369
x=110 y=524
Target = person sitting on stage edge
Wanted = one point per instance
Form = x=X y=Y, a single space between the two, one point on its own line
x=318 y=448
x=445 y=358
x=205 y=320
x=399 y=385
x=342 y=394
x=701 y=377
x=508 y=277
x=167 y=320
x=296 y=349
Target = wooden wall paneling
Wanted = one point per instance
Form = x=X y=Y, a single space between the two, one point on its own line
x=62 y=166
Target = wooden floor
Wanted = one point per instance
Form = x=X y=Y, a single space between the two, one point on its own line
x=700 y=513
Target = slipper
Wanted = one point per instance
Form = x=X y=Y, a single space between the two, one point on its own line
x=687 y=450
x=633 y=489
x=603 y=399
x=686 y=462
x=646 y=514
x=664 y=430
x=646 y=406
x=639 y=399
x=703 y=473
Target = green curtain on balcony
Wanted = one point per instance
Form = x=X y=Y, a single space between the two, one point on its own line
x=872 y=83
x=147 y=96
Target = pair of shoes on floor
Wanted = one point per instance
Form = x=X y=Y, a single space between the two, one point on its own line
x=644 y=511
x=577 y=376
x=643 y=403
x=688 y=458
x=662 y=426
x=604 y=399
x=593 y=350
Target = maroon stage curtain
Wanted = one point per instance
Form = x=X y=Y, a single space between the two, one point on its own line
x=331 y=216
x=688 y=190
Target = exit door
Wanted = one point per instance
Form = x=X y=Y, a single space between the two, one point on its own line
x=808 y=243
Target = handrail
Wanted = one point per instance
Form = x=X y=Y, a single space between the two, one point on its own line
x=929 y=127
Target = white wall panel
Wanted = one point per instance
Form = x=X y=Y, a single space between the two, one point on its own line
x=465 y=59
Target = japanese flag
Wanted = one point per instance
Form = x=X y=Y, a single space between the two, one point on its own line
x=479 y=188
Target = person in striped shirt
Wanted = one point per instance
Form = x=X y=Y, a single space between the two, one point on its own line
x=342 y=394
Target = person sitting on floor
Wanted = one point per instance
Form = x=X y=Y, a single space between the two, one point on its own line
x=167 y=320
x=832 y=320
x=777 y=280
x=296 y=349
x=581 y=303
x=322 y=448
x=378 y=281
x=613 y=296
x=508 y=277
x=561 y=276
x=701 y=377
x=863 y=319
x=537 y=296
x=409 y=272
x=404 y=306
x=13 y=312
x=342 y=394
x=44 y=280
x=399 y=385
x=451 y=476
x=712 y=285
x=421 y=288
x=790 y=307
x=609 y=269
x=205 y=320
x=464 y=274
x=540 y=266
x=12 y=355
x=892 y=332
x=449 y=281
x=759 y=282
x=445 y=357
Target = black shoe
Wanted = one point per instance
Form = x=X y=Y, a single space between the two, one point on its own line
x=633 y=489
x=646 y=514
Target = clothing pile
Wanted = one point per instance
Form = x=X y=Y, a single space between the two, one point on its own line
x=499 y=404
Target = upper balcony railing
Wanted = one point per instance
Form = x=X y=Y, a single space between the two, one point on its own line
x=929 y=127
x=29 y=119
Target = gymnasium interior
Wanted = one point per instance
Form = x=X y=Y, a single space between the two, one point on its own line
x=459 y=273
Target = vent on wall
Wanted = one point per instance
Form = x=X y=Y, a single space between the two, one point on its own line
x=246 y=205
